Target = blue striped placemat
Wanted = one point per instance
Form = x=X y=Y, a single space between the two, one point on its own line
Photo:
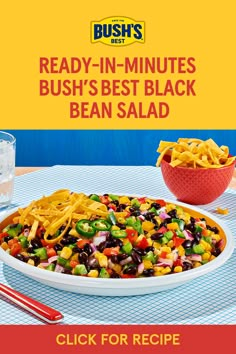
x=210 y=299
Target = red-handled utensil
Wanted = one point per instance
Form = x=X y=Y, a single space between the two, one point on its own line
x=40 y=310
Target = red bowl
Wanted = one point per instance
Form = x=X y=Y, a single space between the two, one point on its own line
x=196 y=185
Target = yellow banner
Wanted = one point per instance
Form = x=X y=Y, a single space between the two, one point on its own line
x=97 y=65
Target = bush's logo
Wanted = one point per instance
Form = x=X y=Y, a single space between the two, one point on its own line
x=117 y=31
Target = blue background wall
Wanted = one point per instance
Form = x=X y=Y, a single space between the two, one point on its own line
x=105 y=147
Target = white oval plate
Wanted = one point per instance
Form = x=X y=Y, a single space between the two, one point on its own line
x=125 y=287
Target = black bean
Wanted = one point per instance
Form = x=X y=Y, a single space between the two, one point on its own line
x=216 y=252
x=197 y=236
x=131 y=269
x=57 y=247
x=148 y=272
x=77 y=249
x=157 y=236
x=106 y=195
x=118 y=242
x=93 y=263
x=150 y=248
x=187 y=266
x=156 y=206
x=20 y=257
x=83 y=258
x=115 y=202
x=190 y=227
x=131 y=209
x=122 y=256
x=114 y=259
x=30 y=249
x=136 y=257
x=163 y=223
x=172 y=213
x=88 y=249
x=192 y=220
x=121 y=226
x=187 y=244
x=110 y=243
x=136 y=213
x=101 y=246
x=8 y=238
x=215 y=230
x=139 y=251
x=36 y=260
x=13 y=226
x=36 y=243
x=66 y=271
x=154 y=221
x=68 y=240
x=114 y=275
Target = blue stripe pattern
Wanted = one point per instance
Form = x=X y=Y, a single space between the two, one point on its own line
x=210 y=299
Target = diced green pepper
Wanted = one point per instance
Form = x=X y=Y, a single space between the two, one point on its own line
x=188 y=251
x=130 y=220
x=51 y=267
x=119 y=233
x=127 y=248
x=150 y=256
x=111 y=218
x=208 y=239
x=113 y=197
x=104 y=273
x=164 y=240
x=153 y=210
x=135 y=203
x=179 y=234
x=138 y=226
x=169 y=235
x=198 y=228
x=80 y=269
x=95 y=197
x=198 y=249
x=24 y=241
x=180 y=222
x=13 y=231
x=41 y=253
x=61 y=261
x=67 y=264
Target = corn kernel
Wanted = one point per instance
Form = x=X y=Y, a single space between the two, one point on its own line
x=206 y=256
x=170 y=256
x=216 y=237
x=158 y=269
x=158 y=274
x=125 y=240
x=170 y=244
x=93 y=273
x=212 y=257
x=172 y=226
x=122 y=220
x=166 y=249
x=66 y=252
x=169 y=207
x=148 y=225
x=181 y=251
x=4 y=246
x=114 y=227
x=147 y=264
x=102 y=259
x=205 y=245
x=150 y=242
x=156 y=245
x=40 y=266
x=124 y=200
x=117 y=268
x=144 y=206
x=178 y=269
x=73 y=232
x=75 y=257
x=197 y=264
x=167 y=270
x=31 y=262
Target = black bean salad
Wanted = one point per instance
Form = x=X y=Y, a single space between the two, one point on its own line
x=110 y=236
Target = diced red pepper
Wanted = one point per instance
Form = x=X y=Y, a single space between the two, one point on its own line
x=111 y=251
x=127 y=276
x=163 y=254
x=40 y=231
x=12 y=241
x=161 y=202
x=15 y=249
x=132 y=235
x=178 y=262
x=178 y=241
x=82 y=242
x=73 y=264
x=143 y=243
x=162 y=230
x=51 y=252
x=3 y=234
x=105 y=199
x=112 y=206
x=142 y=200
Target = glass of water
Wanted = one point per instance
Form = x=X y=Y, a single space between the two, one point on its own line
x=7 y=168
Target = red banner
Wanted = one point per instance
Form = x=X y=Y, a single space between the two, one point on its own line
x=111 y=339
